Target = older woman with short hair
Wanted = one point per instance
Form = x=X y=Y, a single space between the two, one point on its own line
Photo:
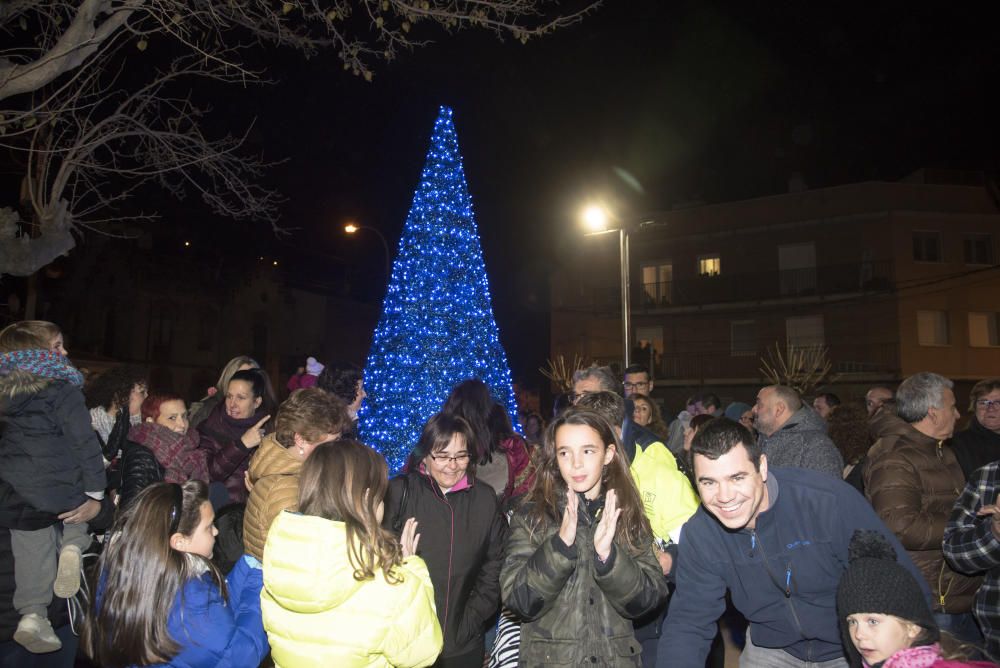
x=979 y=443
x=461 y=534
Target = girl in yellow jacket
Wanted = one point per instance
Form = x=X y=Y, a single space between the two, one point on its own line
x=338 y=589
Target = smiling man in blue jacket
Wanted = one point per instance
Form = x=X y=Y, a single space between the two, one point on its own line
x=777 y=541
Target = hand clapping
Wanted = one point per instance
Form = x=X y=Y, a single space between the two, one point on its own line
x=604 y=534
x=409 y=538
x=567 y=532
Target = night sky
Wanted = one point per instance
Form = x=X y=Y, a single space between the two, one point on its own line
x=646 y=104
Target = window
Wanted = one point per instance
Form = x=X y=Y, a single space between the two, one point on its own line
x=805 y=332
x=932 y=328
x=657 y=283
x=978 y=249
x=926 y=246
x=797 y=268
x=744 y=338
x=709 y=265
x=983 y=330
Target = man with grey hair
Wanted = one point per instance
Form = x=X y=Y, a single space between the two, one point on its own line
x=912 y=480
x=593 y=379
x=792 y=435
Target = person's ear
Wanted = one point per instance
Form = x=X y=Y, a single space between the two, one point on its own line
x=763 y=467
x=178 y=541
x=913 y=631
x=609 y=453
x=257 y=402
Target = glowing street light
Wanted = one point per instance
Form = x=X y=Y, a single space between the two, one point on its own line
x=595 y=218
x=352 y=228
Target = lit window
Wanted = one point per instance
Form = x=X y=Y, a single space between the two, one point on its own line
x=657 y=283
x=709 y=265
x=983 y=330
x=932 y=328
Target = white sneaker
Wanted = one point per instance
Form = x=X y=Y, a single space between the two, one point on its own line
x=34 y=633
x=68 y=573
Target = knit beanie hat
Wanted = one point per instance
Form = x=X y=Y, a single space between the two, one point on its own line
x=875 y=582
x=735 y=410
x=313 y=368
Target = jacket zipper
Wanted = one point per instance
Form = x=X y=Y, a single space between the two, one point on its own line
x=786 y=589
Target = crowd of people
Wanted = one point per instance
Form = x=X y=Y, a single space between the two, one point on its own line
x=136 y=530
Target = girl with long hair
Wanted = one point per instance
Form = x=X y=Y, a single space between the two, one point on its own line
x=510 y=473
x=161 y=601
x=339 y=590
x=579 y=562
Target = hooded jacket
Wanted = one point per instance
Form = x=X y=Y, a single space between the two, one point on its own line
x=274 y=473
x=462 y=540
x=802 y=443
x=317 y=614
x=49 y=453
x=576 y=610
x=782 y=575
x=913 y=481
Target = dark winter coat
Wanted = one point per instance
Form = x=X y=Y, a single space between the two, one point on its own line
x=802 y=443
x=139 y=470
x=975 y=446
x=782 y=575
x=228 y=459
x=576 y=610
x=913 y=481
x=461 y=539
x=49 y=452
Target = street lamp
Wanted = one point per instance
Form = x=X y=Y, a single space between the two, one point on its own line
x=596 y=218
x=352 y=228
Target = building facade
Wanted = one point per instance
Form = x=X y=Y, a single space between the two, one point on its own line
x=889 y=278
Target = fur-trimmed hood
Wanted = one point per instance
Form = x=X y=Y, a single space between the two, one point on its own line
x=18 y=383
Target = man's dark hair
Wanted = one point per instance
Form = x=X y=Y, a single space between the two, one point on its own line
x=340 y=379
x=636 y=368
x=608 y=405
x=830 y=398
x=709 y=399
x=720 y=436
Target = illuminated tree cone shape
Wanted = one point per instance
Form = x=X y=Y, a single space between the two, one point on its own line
x=437 y=327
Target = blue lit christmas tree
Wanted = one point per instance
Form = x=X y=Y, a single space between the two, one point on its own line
x=437 y=327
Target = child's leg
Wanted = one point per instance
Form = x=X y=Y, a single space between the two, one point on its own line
x=34 y=569
x=75 y=539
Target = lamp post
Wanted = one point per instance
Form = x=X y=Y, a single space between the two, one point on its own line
x=596 y=218
x=352 y=228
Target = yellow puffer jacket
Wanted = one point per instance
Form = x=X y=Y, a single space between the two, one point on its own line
x=316 y=613
x=666 y=494
x=274 y=473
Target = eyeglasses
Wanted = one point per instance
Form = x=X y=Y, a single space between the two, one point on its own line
x=460 y=458
x=987 y=404
x=636 y=386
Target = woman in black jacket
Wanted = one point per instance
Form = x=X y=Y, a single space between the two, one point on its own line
x=461 y=534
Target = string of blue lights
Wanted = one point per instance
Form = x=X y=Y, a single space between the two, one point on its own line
x=437 y=326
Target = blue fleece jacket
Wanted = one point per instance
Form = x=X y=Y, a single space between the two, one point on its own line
x=782 y=575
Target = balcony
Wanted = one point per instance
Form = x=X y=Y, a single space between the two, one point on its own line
x=715 y=360
x=758 y=286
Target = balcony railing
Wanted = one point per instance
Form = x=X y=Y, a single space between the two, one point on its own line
x=815 y=281
x=717 y=360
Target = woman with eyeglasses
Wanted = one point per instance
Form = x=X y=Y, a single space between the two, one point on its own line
x=161 y=601
x=461 y=534
x=979 y=443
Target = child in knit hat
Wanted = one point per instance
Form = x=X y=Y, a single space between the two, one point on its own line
x=885 y=612
x=305 y=376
